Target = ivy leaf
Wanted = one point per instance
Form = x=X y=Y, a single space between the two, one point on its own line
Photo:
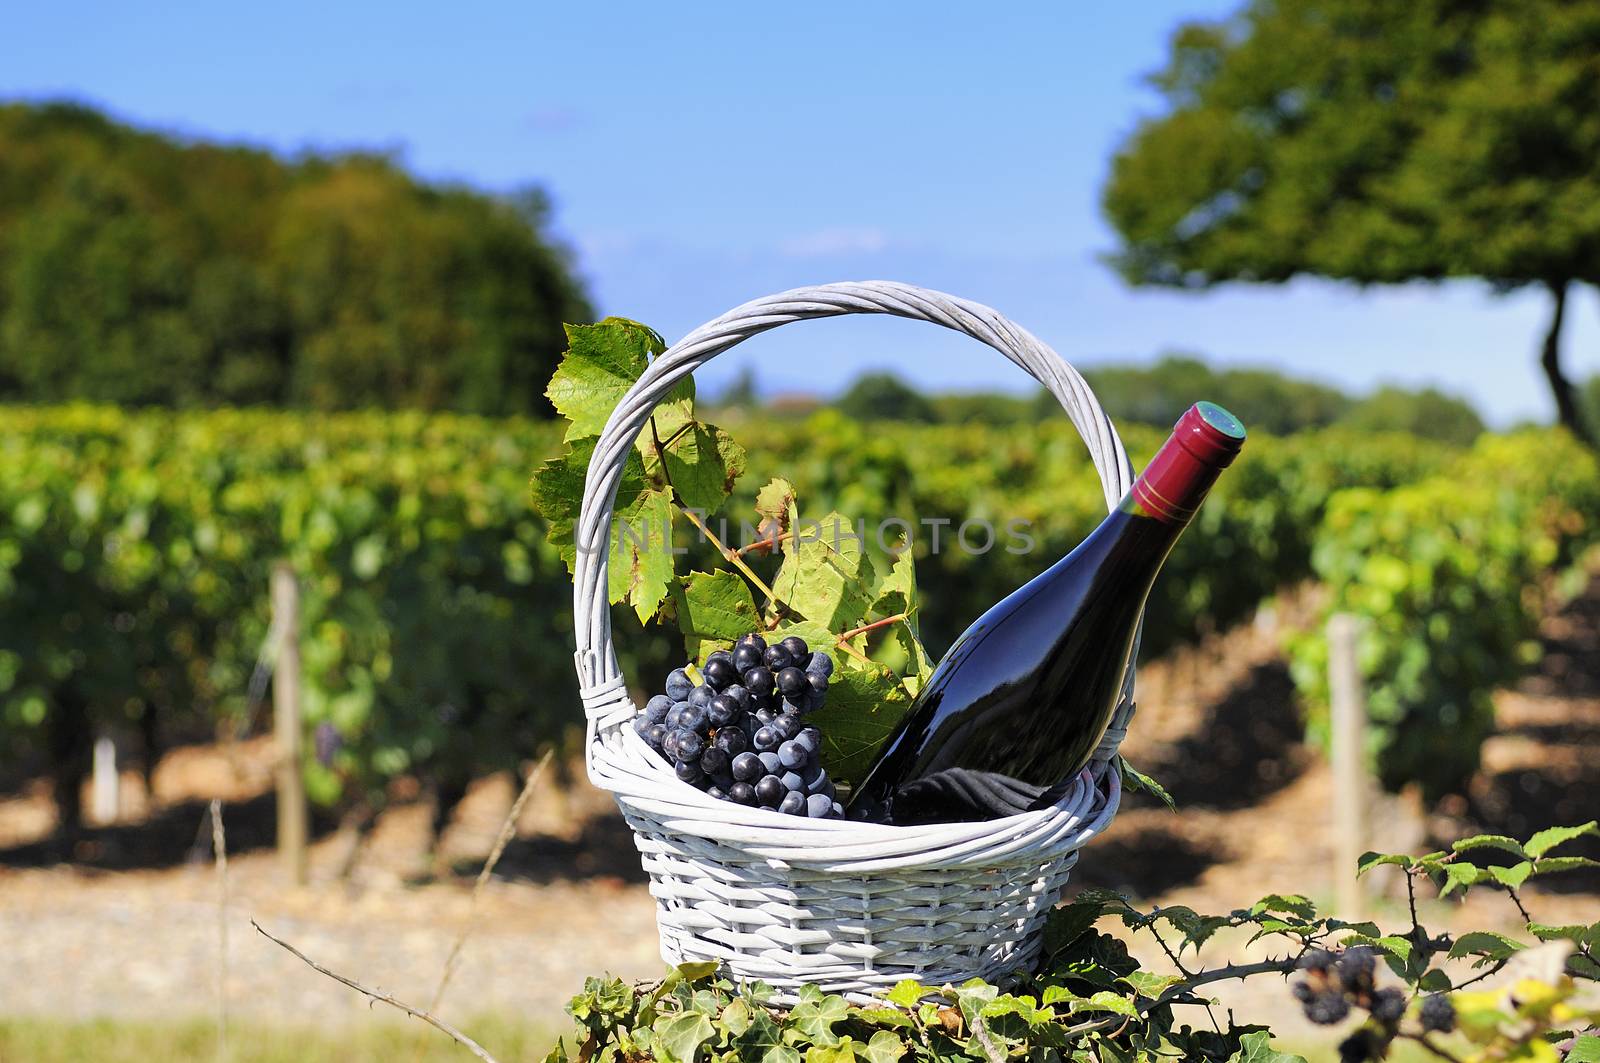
x=1106 y=1000
x=1138 y=781
x=1149 y=984
x=714 y=608
x=886 y=1017
x=1068 y=923
x=885 y=1047
x=826 y=576
x=601 y=364
x=780 y=1054
x=1257 y=1048
x=861 y=710
x=736 y=1017
x=843 y=1052
x=815 y=1019
x=1551 y=837
x=907 y=993
x=677 y=1037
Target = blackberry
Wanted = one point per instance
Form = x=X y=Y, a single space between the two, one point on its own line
x=1327 y=1008
x=1437 y=1014
x=1388 y=1005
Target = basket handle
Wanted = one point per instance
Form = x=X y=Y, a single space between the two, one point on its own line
x=600 y=680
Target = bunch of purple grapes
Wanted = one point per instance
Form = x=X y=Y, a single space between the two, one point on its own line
x=740 y=735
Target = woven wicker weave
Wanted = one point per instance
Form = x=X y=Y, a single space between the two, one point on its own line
x=852 y=908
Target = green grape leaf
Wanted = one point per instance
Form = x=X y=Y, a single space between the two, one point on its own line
x=826 y=576
x=775 y=508
x=641 y=552
x=601 y=364
x=713 y=609
x=1551 y=837
x=861 y=709
x=640 y=557
x=702 y=462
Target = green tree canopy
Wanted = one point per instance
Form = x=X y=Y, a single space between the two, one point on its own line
x=137 y=268
x=1374 y=143
x=885 y=397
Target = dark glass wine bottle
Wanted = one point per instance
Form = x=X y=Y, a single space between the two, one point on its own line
x=1023 y=697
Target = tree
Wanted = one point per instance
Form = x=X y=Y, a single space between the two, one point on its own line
x=135 y=268
x=1374 y=143
x=1429 y=413
x=885 y=397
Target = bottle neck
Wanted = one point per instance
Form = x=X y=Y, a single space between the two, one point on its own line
x=1178 y=478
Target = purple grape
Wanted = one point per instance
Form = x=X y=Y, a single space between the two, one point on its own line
x=722 y=711
x=796 y=648
x=769 y=791
x=658 y=732
x=689 y=747
x=759 y=680
x=688 y=772
x=655 y=709
x=767 y=738
x=675 y=714
x=678 y=684
x=792 y=804
x=716 y=791
x=742 y=793
x=669 y=743
x=776 y=658
x=818 y=682
x=753 y=639
x=792 y=782
x=747 y=767
x=720 y=672
x=820 y=664
x=693 y=719
x=769 y=761
x=733 y=741
x=328 y=742
x=792 y=682
x=701 y=695
x=746 y=657
x=715 y=761
x=818 y=806
x=792 y=755
x=739 y=694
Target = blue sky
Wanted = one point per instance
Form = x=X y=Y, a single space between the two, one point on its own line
x=703 y=154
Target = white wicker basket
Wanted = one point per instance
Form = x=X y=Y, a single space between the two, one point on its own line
x=852 y=908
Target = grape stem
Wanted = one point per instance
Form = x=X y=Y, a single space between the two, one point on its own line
x=875 y=625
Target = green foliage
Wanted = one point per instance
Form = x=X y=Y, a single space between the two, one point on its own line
x=135 y=268
x=135 y=551
x=1264 y=399
x=1427 y=414
x=1089 y=1001
x=1448 y=576
x=1375 y=143
x=825 y=589
x=885 y=397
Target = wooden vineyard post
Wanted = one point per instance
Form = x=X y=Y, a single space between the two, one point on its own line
x=1350 y=787
x=105 y=803
x=292 y=817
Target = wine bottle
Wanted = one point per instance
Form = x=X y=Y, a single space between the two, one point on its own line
x=1017 y=706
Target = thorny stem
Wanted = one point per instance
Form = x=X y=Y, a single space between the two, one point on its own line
x=1490 y=973
x=1427 y=1042
x=1517 y=900
x=1149 y=925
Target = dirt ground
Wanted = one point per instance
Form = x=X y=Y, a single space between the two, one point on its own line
x=131 y=927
